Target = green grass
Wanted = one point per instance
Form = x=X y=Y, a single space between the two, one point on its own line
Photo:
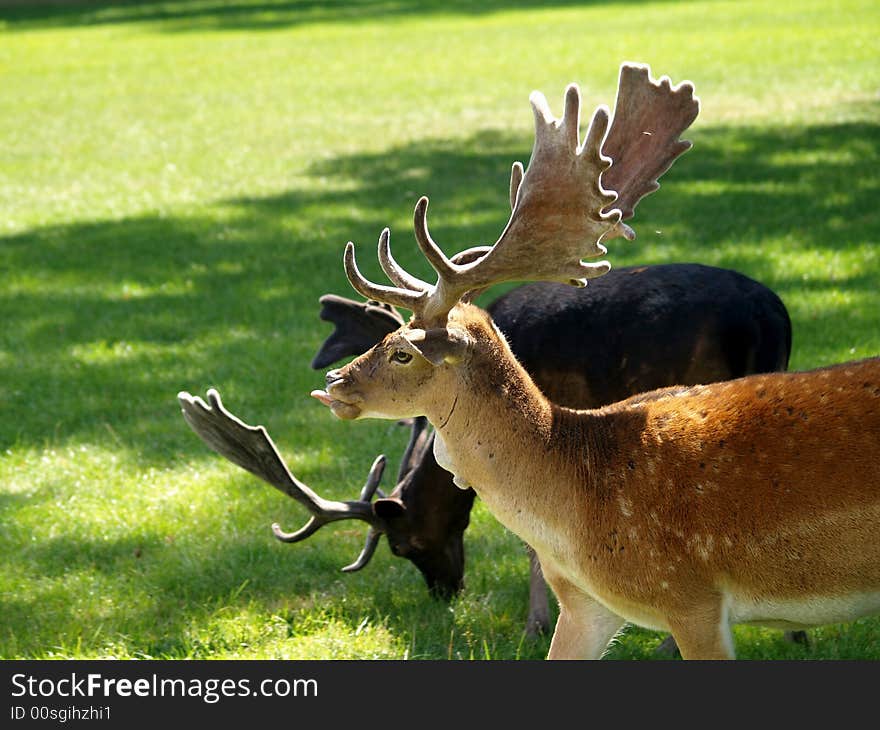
x=177 y=181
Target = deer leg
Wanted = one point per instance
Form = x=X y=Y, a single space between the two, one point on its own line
x=584 y=626
x=667 y=648
x=538 y=621
x=797 y=637
x=704 y=632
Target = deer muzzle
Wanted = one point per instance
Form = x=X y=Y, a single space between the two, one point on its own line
x=339 y=397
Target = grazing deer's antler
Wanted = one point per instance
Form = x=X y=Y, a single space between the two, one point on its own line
x=358 y=326
x=251 y=448
x=561 y=209
x=419 y=433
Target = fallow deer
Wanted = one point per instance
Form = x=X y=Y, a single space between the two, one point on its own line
x=677 y=324
x=573 y=594
x=687 y=509
x=647 y=327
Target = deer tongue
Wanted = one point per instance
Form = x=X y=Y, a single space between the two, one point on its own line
x=322 y=396
x=345 y=411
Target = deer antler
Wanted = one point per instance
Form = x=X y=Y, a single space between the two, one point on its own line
x=419 y=433
x=643 y=139
x=560 y=207
x=251 y=448
x=560 y=188
x=357 y=327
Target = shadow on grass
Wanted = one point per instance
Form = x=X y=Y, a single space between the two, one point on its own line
x=249 y=15
x=105 y=322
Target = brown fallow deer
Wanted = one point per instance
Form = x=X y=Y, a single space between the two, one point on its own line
x=647 y=327
x=674 y=324
x=685 y=509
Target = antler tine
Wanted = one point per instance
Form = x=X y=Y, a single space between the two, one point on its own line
x=571 y=115
x=370 y=544
x=451 y=285
x=371 y=486
x=397 y=296
x=516 y=176
x=469 y=255
x=309 y=529
x=445 y=269
x=394 y=271
x=251 y=448
x=569 y=124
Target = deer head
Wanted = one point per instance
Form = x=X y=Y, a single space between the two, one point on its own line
x=431 y=538
x=563 y=209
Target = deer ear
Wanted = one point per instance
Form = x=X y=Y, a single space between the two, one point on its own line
x=389 y=508
x=439 y=345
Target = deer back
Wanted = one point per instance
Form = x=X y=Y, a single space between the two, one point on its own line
x=764 y=488
x=640 y=328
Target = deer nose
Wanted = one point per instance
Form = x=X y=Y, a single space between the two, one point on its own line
x=333 y=375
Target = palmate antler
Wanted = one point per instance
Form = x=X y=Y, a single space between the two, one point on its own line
x=251 y=448
x=563 y=205
x=643 y=139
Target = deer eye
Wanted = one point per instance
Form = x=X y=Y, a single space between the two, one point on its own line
x=401 y=356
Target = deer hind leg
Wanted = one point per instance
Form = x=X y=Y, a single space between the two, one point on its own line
x=584 y=626
x=538 y=621
x=704 y=632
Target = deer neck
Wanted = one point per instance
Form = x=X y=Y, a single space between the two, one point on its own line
x=495 y=432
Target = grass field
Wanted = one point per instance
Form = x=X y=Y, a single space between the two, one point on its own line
x=177 y=182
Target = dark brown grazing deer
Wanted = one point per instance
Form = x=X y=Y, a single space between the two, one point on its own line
x=678 y=324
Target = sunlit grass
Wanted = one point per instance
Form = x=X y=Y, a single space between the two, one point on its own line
x=177 y=181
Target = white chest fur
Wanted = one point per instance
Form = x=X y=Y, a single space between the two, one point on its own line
x=444 y=459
